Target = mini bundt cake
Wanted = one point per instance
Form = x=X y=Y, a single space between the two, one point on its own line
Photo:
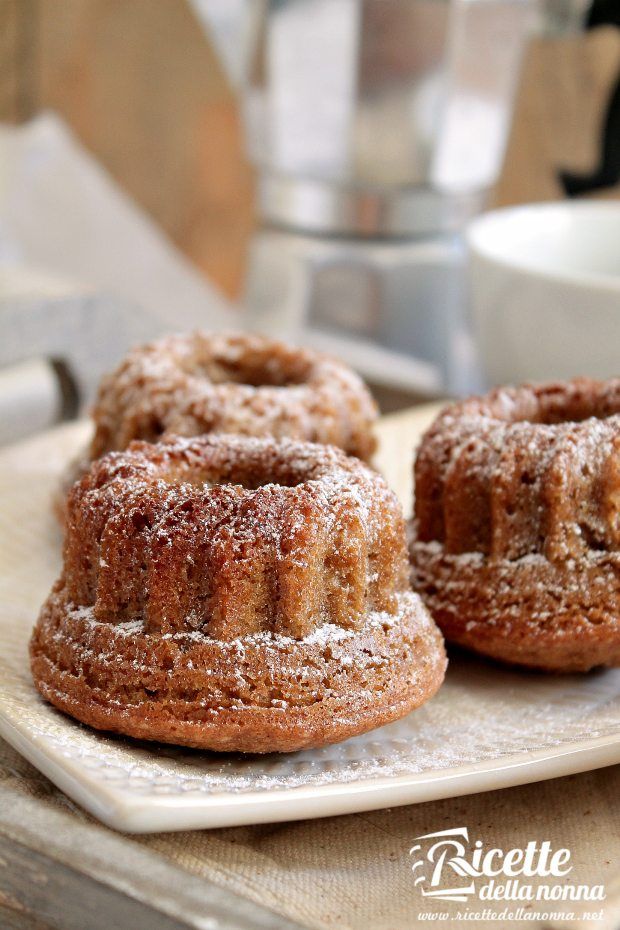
x=235 y=593
x=233 y=383
x=515 y=544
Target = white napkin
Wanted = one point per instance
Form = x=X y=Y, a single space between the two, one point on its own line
x=84 y=274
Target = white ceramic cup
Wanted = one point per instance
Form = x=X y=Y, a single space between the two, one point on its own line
x=545 y=291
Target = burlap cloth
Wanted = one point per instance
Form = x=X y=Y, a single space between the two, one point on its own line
x=354 y=872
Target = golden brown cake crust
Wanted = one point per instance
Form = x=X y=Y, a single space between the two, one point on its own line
x=257 y=693
x=515 y=544
x=238 y=383
x=235 y=593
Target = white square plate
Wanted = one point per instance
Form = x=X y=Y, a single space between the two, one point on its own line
x=487 y=728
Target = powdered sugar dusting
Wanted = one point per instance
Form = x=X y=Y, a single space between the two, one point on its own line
x=233 y=383
x=234 y=533
x=515 y=545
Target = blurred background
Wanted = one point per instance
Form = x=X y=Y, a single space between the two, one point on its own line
x=222 y=123
x=141 y=85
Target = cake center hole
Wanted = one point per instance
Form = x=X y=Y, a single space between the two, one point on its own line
x=260 y=371
x=552 y=408
x=574 y=413
x=249 y=478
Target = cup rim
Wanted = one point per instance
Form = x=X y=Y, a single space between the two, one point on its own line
x=478 y=245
